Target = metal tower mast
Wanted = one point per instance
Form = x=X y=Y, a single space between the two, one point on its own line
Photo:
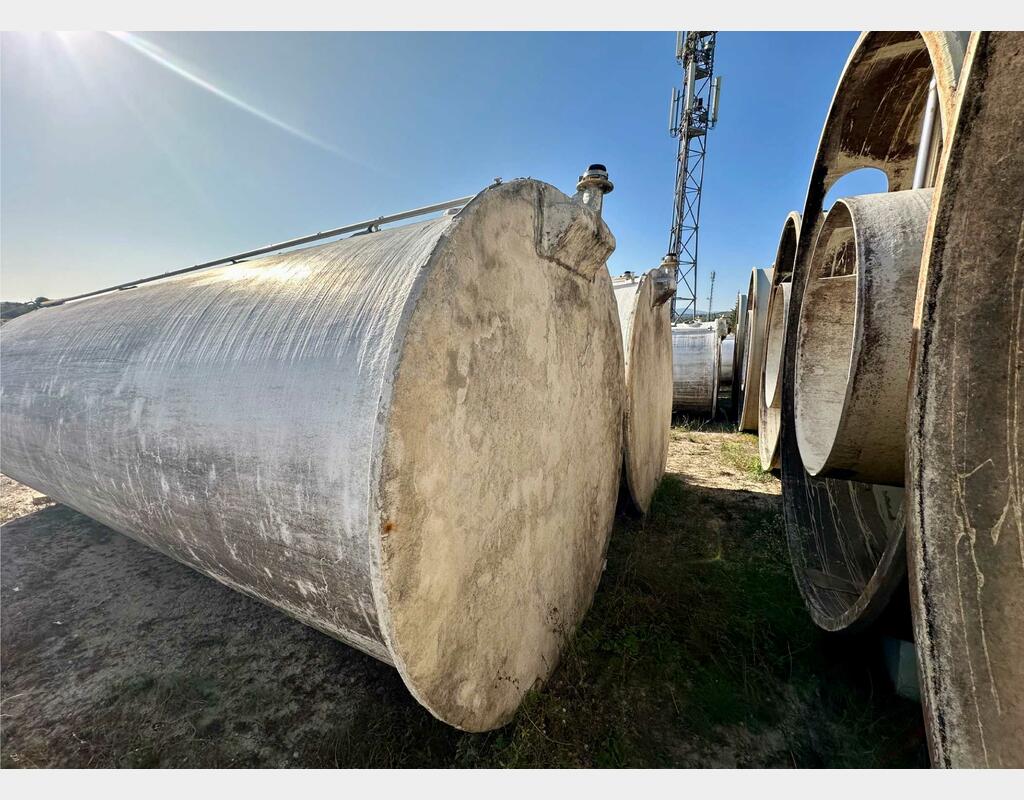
x=691 y=115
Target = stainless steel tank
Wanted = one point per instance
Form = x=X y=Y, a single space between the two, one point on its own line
x=726 y=357
x=965 y=433
x=695 y=369
x=876 y=119
x=647 y=343
x=410 y=439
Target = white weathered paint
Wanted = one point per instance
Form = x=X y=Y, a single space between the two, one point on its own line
x=644 y=318
x=410 y=440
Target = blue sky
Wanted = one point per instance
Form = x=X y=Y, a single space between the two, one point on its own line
x=115 y=165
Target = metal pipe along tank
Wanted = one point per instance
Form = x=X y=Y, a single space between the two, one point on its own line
x=647 y=344
x=410 y=440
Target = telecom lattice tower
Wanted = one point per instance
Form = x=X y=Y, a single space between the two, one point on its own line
x=692 y=114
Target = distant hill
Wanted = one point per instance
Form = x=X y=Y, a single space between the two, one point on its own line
x=10 y=309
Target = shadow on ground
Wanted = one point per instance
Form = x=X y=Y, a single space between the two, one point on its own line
x=697 y=652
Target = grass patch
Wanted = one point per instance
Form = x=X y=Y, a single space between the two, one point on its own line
x=701 y=424
x=697 y=652
x=742 y=456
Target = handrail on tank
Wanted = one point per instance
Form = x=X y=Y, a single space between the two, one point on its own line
x=369 y=226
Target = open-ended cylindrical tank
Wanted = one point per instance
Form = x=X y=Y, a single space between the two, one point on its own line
x=965 y=476
x=725 y=371
x=736 y=395
x=853 y=353
x=851 y=374
x=752 y=354
x=879 y=118
x=647 y=343
x=770 y=396
x=409 y=439
x=776 y=316
x=695 y=368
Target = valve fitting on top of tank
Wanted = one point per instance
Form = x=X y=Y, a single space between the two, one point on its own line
x=665 y=279
x=593 y=185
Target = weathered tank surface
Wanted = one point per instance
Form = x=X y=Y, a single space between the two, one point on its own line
x=965 y=433
x=853 y=354
x=644 y=317
x=695 y=369
x=875 y=120
x=726 y=358
x=770 y=399
x=410 y=439
x=752 y=355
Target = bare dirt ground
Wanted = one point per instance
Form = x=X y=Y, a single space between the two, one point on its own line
x=17 y=500
x=697 y=652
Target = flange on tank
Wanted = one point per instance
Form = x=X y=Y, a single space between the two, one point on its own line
x=647 y=342
x=410 y=440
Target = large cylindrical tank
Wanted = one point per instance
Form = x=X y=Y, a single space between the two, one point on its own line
x=853 y=355
x=695 y=368
x=410 y=439
x=736 y=395
x=752 y=358
x=965 y=434
x=725 y=362
x=875 y=120
x=770 y=396
x=644 y=317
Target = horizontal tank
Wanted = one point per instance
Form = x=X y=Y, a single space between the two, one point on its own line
x=736 y=395
x=644 y=317
x=695 y=369
x=965 y=470
x=875 y=121
x=409 y=440
x=770 y=399
x=853 y=352
x=726 y=358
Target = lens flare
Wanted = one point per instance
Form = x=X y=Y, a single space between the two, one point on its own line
x=166 y=60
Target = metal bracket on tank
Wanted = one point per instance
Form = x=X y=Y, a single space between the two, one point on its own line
x=593 y=185
x=665 y=279
x=570 y=231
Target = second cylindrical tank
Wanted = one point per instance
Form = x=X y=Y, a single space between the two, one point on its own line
x=695 y=369
x=647 y=344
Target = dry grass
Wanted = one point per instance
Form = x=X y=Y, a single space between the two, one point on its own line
x=697 y=652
